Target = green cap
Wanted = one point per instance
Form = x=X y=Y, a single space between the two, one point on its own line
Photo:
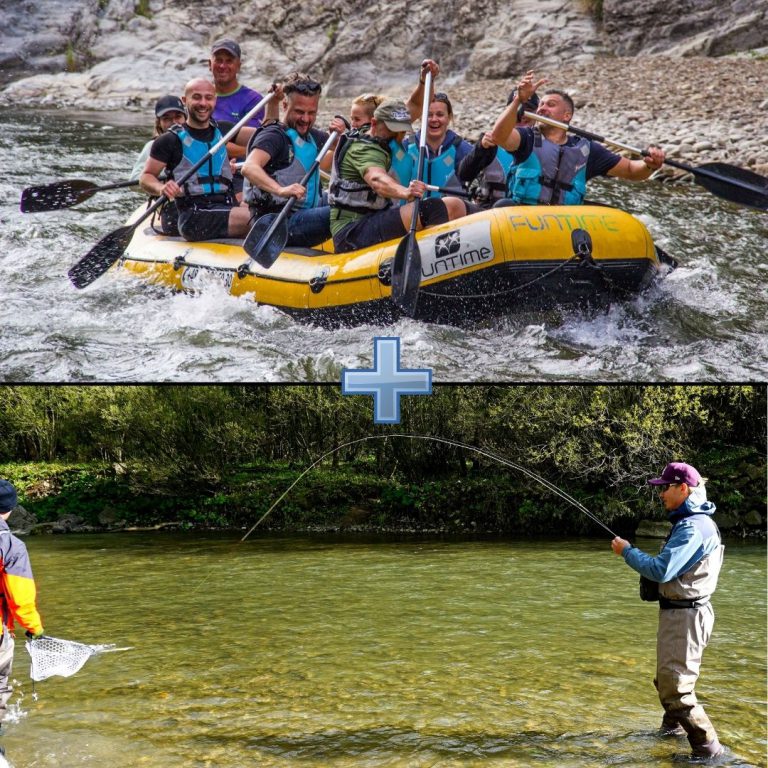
x=395 y=115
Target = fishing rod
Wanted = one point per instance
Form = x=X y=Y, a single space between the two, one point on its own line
x=482 y=451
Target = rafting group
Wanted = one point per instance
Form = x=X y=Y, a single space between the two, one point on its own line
x=367 y=212
x=374 y=173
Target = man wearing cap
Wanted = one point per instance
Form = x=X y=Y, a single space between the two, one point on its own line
x=17 y=591
x=233 y=100
x=361 y=190
x=552 y=166
x=279 y=156
x=686 y=570
x=206 y=204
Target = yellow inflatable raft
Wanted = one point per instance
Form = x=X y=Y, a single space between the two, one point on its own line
x=490 y=263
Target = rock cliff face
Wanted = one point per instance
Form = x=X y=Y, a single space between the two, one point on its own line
x=112 y=53
x=685 y=27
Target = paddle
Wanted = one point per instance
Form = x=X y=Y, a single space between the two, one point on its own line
x=63 y=194
x=447 y=191
x=269 y=234
x=110 y=248
x=406 y=267
x=727 y=181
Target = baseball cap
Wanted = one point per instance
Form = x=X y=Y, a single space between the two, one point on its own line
x=8 y=498
x=226 y=44
x=677 y=472
x=167 y=104
x=395 y=115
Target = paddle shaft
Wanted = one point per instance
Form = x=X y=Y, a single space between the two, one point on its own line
x=288 y=207
x=118 y=185
x=205 y=158
x=447 y=190
x=422 y=150
x=641 y=152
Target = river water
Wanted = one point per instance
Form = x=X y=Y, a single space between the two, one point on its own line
x=704 y=322
x=363 y=653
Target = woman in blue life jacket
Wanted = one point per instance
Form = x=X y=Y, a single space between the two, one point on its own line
x=552 y=166
x=445 y=149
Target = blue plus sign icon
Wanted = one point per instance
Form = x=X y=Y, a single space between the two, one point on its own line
x=386 y=381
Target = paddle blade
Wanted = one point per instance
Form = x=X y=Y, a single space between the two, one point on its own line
x=52 y=197
x=733 y=183
x=101 y=257
x=406 y=274
x=266 y=239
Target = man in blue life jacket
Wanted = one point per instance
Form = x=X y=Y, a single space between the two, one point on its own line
x=686 y=570
x=279 y=156
x=490 y=166
x=207 y=209
x=361 y=191
x=552 y=167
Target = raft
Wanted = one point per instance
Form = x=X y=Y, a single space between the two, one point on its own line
x=491 y=263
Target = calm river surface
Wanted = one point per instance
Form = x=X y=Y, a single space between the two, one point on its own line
x=313 y=652
x=707 y=321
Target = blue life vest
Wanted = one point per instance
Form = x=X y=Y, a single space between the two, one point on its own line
x=214 y=177
x=553 y=174
x=403 y=168
x=439 y=169
x=302 y=154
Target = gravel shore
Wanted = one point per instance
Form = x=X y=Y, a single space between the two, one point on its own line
x=697 y=109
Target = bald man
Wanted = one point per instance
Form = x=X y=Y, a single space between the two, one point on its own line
x=206 y=205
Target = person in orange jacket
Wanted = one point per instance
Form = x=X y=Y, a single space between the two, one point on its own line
x=17 y=591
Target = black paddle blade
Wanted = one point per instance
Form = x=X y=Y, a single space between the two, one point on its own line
x=406 y=274
x=264 y=246
x=52 y=197
x=101 y=257
x=733 y=183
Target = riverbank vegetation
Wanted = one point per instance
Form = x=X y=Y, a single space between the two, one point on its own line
x=221 y=456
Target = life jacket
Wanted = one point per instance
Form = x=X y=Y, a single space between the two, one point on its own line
x=214 y=177
x=439 y=169
x=302 y=154
x=553 y=174
x=700 y=581
x=403 y=169
x=354 y=195
x=491 y=182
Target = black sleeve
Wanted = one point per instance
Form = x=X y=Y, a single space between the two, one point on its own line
x=474 y=161
x=166 y=149
x=320 y=136
x=275 y=143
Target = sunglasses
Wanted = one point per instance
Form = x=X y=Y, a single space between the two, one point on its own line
x=304 y=87
x=666 y=486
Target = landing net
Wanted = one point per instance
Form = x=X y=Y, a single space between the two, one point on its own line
x=53 y=656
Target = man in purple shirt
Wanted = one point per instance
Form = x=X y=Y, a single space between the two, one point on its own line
x=233 y=100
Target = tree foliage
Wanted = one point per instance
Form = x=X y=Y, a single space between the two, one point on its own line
x=192 y=442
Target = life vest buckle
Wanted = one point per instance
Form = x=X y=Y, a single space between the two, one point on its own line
x=385 y=272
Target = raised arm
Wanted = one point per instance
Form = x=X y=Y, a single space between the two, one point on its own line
x=416 y=99
x=504 y=132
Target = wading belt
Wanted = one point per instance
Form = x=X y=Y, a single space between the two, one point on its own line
x=667 y=605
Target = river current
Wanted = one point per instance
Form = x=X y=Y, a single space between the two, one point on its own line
x=706 y=321
x=364 y=653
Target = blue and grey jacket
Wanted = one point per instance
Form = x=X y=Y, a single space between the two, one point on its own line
x=688 y=565
x=553 y=174
x=214 y=177
x=441 y=167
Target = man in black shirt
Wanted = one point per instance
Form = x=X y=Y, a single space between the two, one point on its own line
x=281 y=153
x=206 y=204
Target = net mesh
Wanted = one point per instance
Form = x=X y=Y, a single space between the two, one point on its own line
x=53 y=656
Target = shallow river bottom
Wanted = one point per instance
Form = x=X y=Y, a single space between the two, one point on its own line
x=328 y=652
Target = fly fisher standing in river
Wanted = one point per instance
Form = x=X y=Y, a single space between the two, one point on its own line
x=682 y=577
